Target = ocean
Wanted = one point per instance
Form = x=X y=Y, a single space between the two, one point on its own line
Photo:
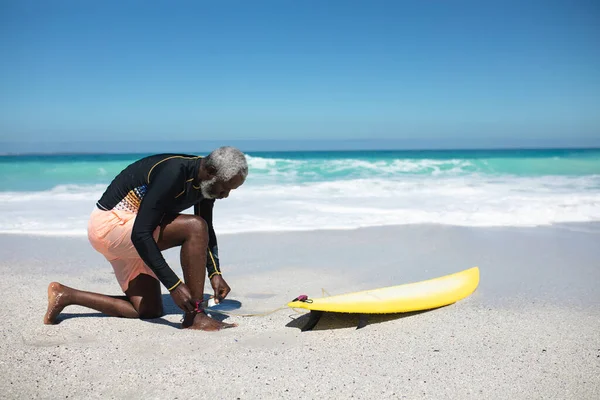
x=289 y=191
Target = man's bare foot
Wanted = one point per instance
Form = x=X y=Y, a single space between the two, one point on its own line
x=57 y=301
x=203 y=322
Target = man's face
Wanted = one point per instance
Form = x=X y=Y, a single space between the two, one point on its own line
x=218 y=189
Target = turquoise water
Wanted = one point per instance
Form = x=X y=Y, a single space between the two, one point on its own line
x=54 y=194
x=43 y=172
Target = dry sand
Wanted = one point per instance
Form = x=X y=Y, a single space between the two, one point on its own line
x=530 y=331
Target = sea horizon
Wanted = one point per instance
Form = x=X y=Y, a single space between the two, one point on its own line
x=285 y=145
x=379 y=150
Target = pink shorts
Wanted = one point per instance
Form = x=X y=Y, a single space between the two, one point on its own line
x=109 y=232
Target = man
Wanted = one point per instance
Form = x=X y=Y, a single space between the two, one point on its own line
x=138 y=216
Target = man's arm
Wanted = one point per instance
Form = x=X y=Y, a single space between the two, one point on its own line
x=164 y=186
x=205 y=210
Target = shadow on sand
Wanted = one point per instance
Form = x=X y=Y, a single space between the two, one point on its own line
x=328 y=320
x=338 y=320
x=169 y=308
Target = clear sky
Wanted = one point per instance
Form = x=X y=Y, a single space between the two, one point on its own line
x=427 y=72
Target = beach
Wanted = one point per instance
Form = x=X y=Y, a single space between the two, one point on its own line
x=314 y=149
x=529 y=331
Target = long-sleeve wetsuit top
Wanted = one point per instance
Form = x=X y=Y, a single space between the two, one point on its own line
x=155 y=186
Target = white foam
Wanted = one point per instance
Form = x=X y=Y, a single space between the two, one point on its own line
x=457 y=201
x=68 y=193
x=321 y=169
x=345 y=204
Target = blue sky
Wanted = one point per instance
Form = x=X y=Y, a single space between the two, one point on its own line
x=424 y=72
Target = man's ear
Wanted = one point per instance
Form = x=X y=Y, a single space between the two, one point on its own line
x=212 y=171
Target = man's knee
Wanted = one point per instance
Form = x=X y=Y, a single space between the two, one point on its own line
x=196 y=226
x=145 y=296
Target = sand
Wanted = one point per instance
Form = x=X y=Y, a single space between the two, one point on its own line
x=530 y=331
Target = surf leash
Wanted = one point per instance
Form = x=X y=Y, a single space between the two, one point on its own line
x=303 y=298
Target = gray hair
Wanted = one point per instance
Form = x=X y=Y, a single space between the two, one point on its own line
x=228 y=162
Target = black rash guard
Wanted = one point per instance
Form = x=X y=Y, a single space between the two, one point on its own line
x=155 y=186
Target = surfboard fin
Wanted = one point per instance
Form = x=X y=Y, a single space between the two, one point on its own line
x=313 y=320
x=363 y=320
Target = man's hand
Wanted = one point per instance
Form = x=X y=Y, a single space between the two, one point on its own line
x=220 y=287
x=183 y=298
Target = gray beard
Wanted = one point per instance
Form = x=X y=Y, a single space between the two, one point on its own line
x=206 y=186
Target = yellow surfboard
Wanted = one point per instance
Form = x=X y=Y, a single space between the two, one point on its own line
x=417 y=296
